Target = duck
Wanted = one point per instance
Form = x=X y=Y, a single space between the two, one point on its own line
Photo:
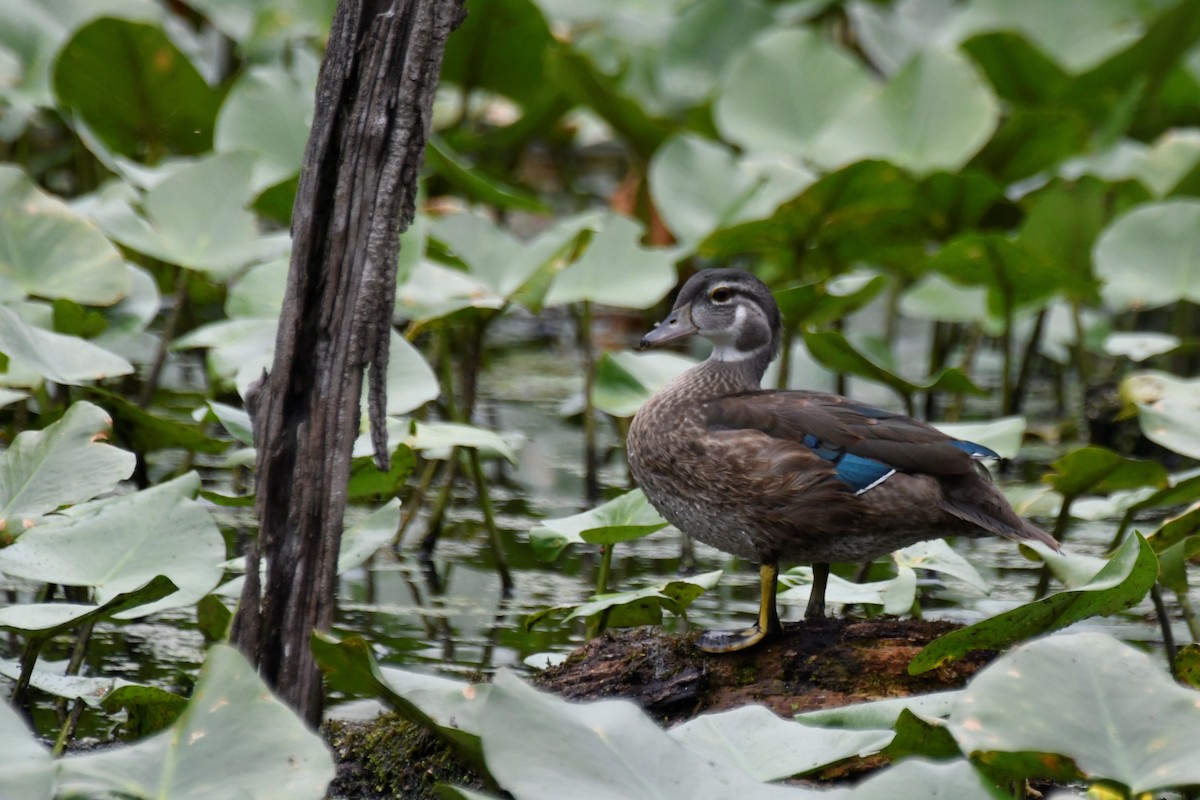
x=803 y=476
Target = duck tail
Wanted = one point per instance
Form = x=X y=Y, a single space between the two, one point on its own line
x=973 y=498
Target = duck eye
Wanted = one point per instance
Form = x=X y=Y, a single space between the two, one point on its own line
x=721 y=294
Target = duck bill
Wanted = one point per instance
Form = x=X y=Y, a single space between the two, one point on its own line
x=677 y=325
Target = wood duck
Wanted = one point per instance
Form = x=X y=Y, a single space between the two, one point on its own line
x=797 y=475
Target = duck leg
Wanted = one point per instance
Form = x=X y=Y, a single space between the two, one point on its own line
x=766 y=627
x=816 y=599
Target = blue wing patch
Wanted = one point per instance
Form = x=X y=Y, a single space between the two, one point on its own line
x=859 y=473
x=976 y=451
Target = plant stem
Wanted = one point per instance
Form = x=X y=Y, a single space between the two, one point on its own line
x=433 y=527
x=601 y=624
x=489 y=518
x=1164 y=623
x=1026 y=367
x=29 y=656
x=416 y=500
x=1189 y=615
x=591 y=461
x=168 y=335
x=68 y=729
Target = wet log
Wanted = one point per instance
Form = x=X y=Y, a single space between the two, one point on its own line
x=357 y=193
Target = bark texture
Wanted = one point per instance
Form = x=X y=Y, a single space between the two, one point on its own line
x=356 y=195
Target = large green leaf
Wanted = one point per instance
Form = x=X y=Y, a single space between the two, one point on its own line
x=54 y=356
x=48 y=251
x=1003 y=435
x=834 y=350
x=796 y=93
x=1122 y=583
x=700 y=186
x=1108 y=707
x=135 y=89
x=26 y=771
x=500 y=47
x=118 y=543
x=881 y=714
x=1166 y=235
x=624 y=379
x=1100 y=470
x=614 y=750
x=697 y=50
x=628 y=516
x=781 y=92
x=262 y=28
x=268 y=112
x=196 y=218
x=64 y=464
x=769 y=748
x=616 y=270
x=233 y=733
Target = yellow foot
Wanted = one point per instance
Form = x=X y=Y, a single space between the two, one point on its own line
x=733 y=641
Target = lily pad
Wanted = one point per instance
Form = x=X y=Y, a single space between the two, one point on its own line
x=616 y=270
x=896 y=595
x=1129 y=721
x=629 y=516
x=881 y=714
x=119 y=543
x=27 y=771
x=48 y=251
x=635 y=607
x=954 y=780
x=628 y=757
x=62 y=359
x=1121 y=584
x=1003 y=435
x=624 y=379
x=1100 y=470
x=1164 y=234
x=43 y=620
x=223 y=724
x=361 y=540
x=769 y=748
x=64 y=464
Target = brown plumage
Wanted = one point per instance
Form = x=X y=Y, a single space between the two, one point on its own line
x=795 y=475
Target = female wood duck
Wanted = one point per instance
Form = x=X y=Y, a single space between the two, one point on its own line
x=797 y=475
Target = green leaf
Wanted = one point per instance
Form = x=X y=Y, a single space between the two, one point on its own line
x=616 y=270
x=224 y=723
x=500 y=47
x=119 y=543
x=367 y=481
x=213 y=618
x=134 y=88
x=627 y=755
x=196 y=218
x=46 y=250
x=1165 y=234
x=45 y=620
x=1003 y=435
x=27 y=771
x=1101 y=471
x=446 y=708
x=62 y=359
x=145 y=432
x=638 y=606
x=896 y=595
x=628 y=516
x=834 y=351
x=1141 y=738
x=362 y=539
x=1122 y=583
x=268 y=112
x=148 y=709
x=473 y=182
x=1172 y=425
x=699 y=185
x=64 y=464
x=881 y=714
x=624 y=379
x=768 y=748
x=935 y=780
